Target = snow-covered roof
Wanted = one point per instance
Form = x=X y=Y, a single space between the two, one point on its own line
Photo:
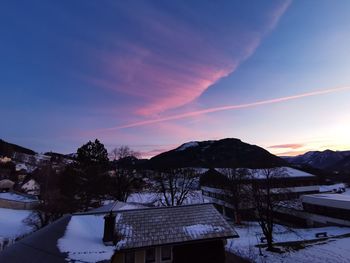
x=169 y=225
x=6 y=183
x=341 y=201
x=260 y=173
x=82 y=240
x=18 y=197
x=332 y=188
x=31 y=185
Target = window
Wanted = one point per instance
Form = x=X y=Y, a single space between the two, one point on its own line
x=129 y=257
x=166 y=253
x=150 y=255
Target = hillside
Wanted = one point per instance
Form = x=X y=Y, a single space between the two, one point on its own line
x=327 y=160
x=8 y=149
x=222 y=153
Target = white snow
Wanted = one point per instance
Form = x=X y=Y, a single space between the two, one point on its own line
x=196 y=231
x=11 y=223
x=21 y=166
x=83 y=239
x=250 y=234
x=332 y=188
x=31 y=187
x=16 y=197
x=187 y=145
x=347 y=191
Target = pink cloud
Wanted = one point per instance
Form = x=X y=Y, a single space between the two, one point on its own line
x=288 y=146
x=176 y=61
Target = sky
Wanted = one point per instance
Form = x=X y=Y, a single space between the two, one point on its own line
x=154 y=74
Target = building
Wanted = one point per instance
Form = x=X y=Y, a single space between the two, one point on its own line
x=291 y=185
x=333 y=205
x=14 y=200
x=193 y=233
x=6 y=185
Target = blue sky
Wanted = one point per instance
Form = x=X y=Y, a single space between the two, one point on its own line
x=151 y=74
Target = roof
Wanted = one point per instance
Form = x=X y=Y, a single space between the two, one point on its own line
x=41 y=246
x=170 y=225
x=18 y=197
x=341 y=201
x=260 y=173
x=79 y=237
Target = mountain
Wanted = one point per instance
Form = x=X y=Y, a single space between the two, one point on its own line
x=342 y=166
x=327 y=159
x=228 y=152
x=8 y=149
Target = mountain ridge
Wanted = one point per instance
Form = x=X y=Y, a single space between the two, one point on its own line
x=228 y=152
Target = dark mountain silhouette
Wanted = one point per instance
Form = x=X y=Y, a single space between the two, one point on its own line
x=222 y=153
x=8 y=149
x=327 y=160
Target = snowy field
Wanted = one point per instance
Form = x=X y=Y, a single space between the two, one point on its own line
x=335 y=250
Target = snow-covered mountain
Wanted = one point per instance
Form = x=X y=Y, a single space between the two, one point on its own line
x=322 y=160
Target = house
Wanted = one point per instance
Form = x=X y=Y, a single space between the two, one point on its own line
x=6 y=185
x=193 y=233
x=331 y=205
x=14 y=200
x=31 y=187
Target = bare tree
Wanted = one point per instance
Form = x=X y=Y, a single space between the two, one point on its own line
x=122 y=152
x=175 y=185
x=266 y=193
x=124 y=182
x=237 y=189
x=51 y=208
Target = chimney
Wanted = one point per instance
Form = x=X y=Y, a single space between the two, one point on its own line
x=109 y=229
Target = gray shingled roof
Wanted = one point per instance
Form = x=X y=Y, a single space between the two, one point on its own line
x=170 y=225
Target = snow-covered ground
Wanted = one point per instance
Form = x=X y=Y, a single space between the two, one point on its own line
x=320 y=251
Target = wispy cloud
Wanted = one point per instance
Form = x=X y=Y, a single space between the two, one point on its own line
x=165 y=61
x=226 y=108
x=287 y=146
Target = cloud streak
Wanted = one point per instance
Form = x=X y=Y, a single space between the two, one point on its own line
x=164 y=62
x=228 y=107
x=287 y=146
